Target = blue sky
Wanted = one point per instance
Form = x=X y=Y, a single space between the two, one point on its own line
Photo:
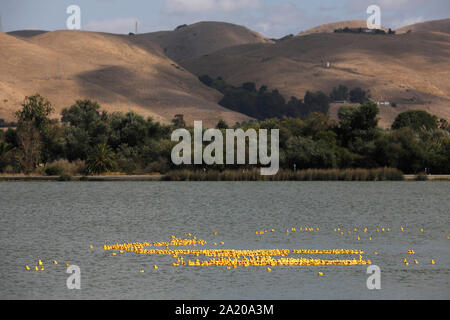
x=273 y=18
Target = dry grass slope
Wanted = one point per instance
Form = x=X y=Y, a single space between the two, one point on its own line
x=429 y=26
x=139 y=73
x=202 y=38
x=122 y=73
x=412 y=70
x=330 y=27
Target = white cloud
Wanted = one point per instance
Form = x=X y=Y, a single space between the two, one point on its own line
x=195 y=6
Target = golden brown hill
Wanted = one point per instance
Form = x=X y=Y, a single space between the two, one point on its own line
x=330 y=27
x=412 y=70
x=429 y=26
x=202 y=38
x=119 y=72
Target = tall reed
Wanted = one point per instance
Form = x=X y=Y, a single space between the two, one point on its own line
x=377 y=174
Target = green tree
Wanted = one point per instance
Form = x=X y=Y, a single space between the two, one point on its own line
x=178 y=121
x=358 y=95
x=130 y=129
x=100 y=160
x=339 y=93
x=401 y=149
x=307 y=153
x=358 y=124
x=84 y=127
x=416 y=120
x=222 y=124
x=33 y=127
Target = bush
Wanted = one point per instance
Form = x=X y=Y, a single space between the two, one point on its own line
x=64 y=177
x=53 y=171
x=160 y=166
x=421 y=177
x=65 y=167
x=127 y=165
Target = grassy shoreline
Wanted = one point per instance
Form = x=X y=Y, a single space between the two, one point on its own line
x=379 y=174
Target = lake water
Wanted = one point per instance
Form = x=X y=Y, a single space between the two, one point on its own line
x=59 y=221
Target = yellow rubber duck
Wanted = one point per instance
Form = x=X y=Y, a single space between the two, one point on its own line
x=39 y=262
x=90 y=247
x=269 y=270
x=432 y=262
x=55 y=262
x=415 y=261
x=320 y=274
x=155 y=267
x=27 y=268
x=36 y=268
x=42 y=268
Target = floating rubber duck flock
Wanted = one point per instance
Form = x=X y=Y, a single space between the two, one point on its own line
x=234 y=258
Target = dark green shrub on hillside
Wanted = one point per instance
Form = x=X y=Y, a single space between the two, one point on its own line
x=263 y=104
x=416 y=120
x=358 y=95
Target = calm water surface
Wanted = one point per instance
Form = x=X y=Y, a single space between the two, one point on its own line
x=58 y=221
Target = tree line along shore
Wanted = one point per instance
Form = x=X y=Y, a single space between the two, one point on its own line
x=87 y=141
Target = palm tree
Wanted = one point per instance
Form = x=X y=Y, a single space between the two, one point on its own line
x=100 y=160
x=3 y=148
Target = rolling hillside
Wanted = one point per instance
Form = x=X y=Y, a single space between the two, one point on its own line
x=412 y=70
x=330 y=27
x=429 y=26
x=155 y=74
x=120 y=72
x=202 y=38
